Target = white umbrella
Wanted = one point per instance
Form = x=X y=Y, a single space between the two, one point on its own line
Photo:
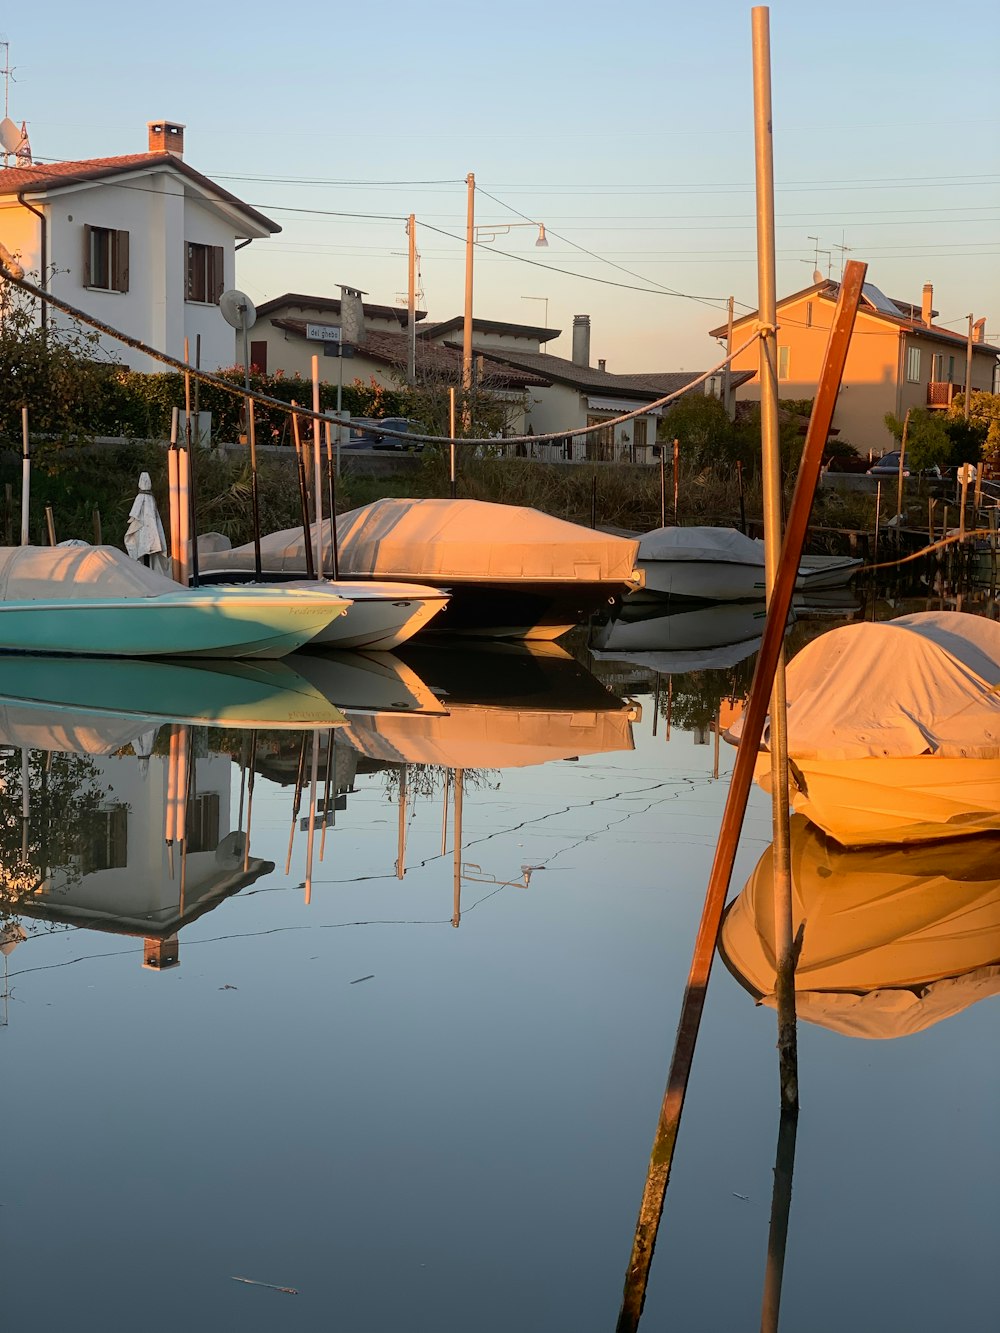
x=144 y=534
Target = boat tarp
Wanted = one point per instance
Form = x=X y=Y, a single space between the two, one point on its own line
x=459 y=539
x=58 y=731
x=487 y=737
x=76 y=573
x=704 y=544
x=922 y=684
x=894 y=938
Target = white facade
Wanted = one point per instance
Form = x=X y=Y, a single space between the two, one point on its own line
x=163 y=211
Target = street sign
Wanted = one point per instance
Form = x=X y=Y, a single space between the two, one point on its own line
x=324 y=333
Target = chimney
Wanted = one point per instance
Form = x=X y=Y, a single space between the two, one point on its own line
x=602 y=365
x=166 y=136
x=581 y=340
x=352 y=315
x=979 y=331
x=926 y=310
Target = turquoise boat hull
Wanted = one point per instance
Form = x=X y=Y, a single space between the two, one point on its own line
x=219 y=622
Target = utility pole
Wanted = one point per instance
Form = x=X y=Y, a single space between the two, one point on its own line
x=470 y=245
x=727 y=381
x=968 y=370
x=411 y=303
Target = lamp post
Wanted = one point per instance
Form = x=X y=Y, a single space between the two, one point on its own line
x=476 y=236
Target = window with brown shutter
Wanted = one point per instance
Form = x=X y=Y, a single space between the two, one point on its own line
x=205 y=273
x=258 y=356
x=105 y=259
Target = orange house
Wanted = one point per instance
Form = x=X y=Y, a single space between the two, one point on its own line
x=898 y=359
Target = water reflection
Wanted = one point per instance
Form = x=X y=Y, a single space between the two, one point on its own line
x=895 y=939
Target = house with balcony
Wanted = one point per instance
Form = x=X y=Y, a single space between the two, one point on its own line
x=143 y=242
x=899 y=358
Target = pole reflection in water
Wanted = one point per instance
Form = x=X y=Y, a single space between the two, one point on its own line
x=781 y=1203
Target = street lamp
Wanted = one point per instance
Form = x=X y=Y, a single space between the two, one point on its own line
x=478 y=235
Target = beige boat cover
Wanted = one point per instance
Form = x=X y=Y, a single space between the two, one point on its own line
x=479 y=736
x=53 y=729
x=452 y=539
x=76 y=573
x=894 y=938
x=922 y=684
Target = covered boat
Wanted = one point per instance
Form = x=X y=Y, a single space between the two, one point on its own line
x=95 y=601
x=894 y=938
x=512 y=572
x=699 y=638
x=722 y=565
x=894 y=729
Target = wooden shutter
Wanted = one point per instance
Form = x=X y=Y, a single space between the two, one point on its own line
x=258 y=356
x=86 y=254
x=216 y=273
x=119 y=261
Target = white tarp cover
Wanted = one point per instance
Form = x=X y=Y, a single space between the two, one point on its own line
x=144 y=534
x=59 y=732
x=75 y=573
x=922 y=684
x=704 y=544
x=480 y=736
x=894 y=939
x=454 y=539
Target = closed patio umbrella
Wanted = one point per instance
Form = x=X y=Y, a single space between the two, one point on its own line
x=144 y=535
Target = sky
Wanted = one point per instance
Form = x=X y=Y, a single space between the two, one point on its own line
x=627 y=129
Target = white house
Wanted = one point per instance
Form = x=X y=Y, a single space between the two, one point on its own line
x=143 y=242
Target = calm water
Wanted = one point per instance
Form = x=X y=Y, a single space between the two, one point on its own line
x=425 y=1097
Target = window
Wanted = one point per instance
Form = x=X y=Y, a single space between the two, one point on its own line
x=640 y=432
x=937 y=363
x=105 y=258
x=205 y=276
x=600 y=443
x=203 y=822
x=951 y=370
x=913 y=365
x=258 y=356
x=104 y=846
x=784 y=360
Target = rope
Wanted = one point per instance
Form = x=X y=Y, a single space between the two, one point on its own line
x=11 y=276
x=926 y=550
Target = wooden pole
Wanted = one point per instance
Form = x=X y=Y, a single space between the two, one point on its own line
x=313 y=784
x=743 y=498
x=411 y=300
x=50 y=524
x=456 y=905
x=899 y=477
x=781 y=1203
x=303 y=496
x=317 y=469
x=772 y=498
x=332 y=488
x=254 y=496
x=668 y=1126
x=968 y=370
x=328 y=793
x=444 y=812
x=401 y=827
x=677 y=476
x=98 y=534
x=25 y=478
x=296 y=800
x=663 y=485
x=451 y=448
x=251 y=774
x=189 y=445
x=177 y=568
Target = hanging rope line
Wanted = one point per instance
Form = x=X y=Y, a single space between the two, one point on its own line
x=11 y=275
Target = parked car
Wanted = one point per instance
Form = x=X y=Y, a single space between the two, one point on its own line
x=393 y=441
x=888 y=466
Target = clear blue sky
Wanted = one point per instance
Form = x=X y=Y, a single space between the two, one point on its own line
x=626 y=128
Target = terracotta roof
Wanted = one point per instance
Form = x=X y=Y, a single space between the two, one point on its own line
x=391 y=349
x=650 y=384
x=828 y=290
x=331 y=305
x=61 y=175
x=443 y=326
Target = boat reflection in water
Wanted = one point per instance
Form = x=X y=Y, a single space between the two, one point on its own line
x=894 y=938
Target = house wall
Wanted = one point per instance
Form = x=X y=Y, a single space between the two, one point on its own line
x=20 y=233
x=160 y=220
x=875 y=380
x=561 y=407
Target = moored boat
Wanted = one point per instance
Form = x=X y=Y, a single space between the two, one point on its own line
x=894 y=729
x=95 y=601
x=709 y=564
x=512 y=572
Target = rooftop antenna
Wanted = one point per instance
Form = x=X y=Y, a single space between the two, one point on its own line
x=10 y=136
x=845 y=250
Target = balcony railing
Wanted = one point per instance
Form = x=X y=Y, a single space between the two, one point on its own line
x=940 y=394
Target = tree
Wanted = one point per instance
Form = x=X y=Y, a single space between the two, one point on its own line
x=927 y=441
x=984 y=412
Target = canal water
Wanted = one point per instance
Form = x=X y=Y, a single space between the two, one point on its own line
x=410 y=1081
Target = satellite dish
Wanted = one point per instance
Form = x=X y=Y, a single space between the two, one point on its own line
x=10 y=135
x=238 y=310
